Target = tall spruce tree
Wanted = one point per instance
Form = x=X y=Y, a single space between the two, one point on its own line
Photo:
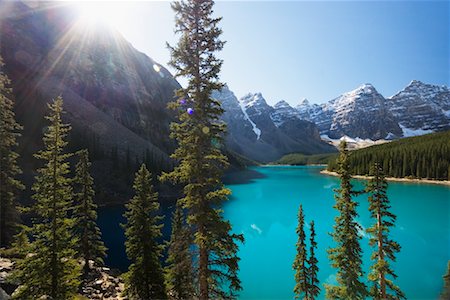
x=346 y=256
x=9 y=169
x=89 y=242
x=145 y=277
x=50 y=270
x=179 y=275
x=199 y=134
x=300 y=262
x=313 y=284
x=385 y=248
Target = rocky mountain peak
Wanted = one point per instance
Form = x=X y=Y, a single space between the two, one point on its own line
x=253 y=99
x=282 y=104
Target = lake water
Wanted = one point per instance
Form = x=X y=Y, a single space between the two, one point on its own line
x=264 y=208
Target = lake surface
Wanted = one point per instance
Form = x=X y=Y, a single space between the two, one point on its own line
x=264 y=208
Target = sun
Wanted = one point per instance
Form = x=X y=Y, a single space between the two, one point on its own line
x=97 y=12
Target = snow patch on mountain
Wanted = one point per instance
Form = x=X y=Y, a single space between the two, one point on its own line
x=256 y=130
x=352 y=143
x=408 y=132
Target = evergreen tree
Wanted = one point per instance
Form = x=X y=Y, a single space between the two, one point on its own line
x=89 y=245
x=300 y=263
x=9 y=185
x=50 y=270
x=144 y=279
x=446 y=291
x=313 y=284
x=346 y=256
x=179 y=276
x=199 y=134
x=383 y=288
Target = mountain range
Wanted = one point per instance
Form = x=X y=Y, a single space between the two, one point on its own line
x=116 y=98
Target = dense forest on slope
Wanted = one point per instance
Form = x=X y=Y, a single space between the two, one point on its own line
x=426 y=156
x=299 y=159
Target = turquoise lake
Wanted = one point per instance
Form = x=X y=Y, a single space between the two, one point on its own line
x=264 y=208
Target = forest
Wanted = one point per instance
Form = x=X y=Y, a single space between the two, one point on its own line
x=426 y=156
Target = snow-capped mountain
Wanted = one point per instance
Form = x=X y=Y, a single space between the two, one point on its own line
x=364 y=113
x=253 y=129
x=421 y=107
x=283 y=112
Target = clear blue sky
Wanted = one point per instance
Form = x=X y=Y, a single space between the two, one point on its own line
x=313 y=49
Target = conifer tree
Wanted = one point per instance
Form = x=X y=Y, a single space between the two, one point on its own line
x=50 y=270
x=385 y=248
x=89 y=243
x=9 y=169
x=346 y=256
x=145 y=277
x=313 y=284
x=179 y=276
x=446 y=291
x=199 y=134
x=300 y=263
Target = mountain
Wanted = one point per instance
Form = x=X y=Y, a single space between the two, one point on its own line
x=115 y=96
x=365 y=114
x=421 y=108
x=253 y=129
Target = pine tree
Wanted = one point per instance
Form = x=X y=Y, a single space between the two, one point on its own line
x=300 y=263
x=313 y=284
x=50 y=270
x=347 y=255
x=9 y=185
x=446 y=291
x=89 y=245
x=145 y=278
x=382 y=288
x=179 y=276
x=199 y=134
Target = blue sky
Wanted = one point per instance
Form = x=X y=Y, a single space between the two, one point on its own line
x=312 y=49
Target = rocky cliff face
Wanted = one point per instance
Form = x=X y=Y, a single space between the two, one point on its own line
x=49 y=52
x=421 y=106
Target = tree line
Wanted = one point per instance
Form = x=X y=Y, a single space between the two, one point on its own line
x=426 y=156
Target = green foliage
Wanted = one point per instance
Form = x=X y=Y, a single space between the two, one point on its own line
x=385 y=248
x=179 y=273
x=306 y=269
x=89 y=244
x=145 y=278
x=346 y=256
x=49 y=269
x=446 y=291
x=9 y=169
x=426 y=156
x=313 y=284
x=300 y=159
x=199 y=134
x=300 y=262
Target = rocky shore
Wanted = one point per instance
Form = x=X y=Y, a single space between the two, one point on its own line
x=428 y=181
x=101 y=283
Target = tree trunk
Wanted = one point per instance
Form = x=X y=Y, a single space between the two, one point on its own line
x=203 y=268
x=381 y=256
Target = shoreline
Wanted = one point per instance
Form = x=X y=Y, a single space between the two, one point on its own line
x=395 y=179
